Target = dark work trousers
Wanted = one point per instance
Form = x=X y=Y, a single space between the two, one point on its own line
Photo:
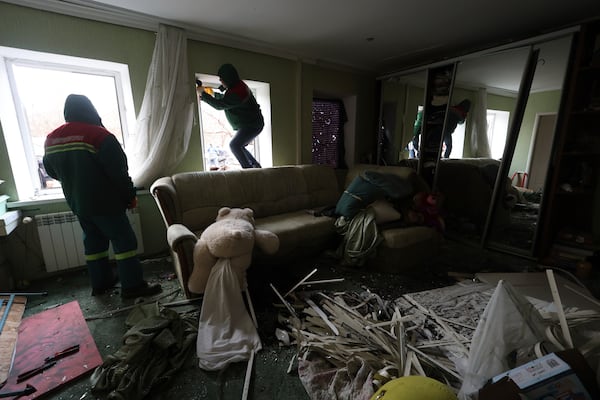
x=448 y=143
x=238 y=146
x=98 y=231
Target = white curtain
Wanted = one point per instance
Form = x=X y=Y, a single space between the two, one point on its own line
x=165 y=121
x=480 y=145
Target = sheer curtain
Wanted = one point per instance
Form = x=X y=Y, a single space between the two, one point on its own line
x=480 y=145
x=165 y=121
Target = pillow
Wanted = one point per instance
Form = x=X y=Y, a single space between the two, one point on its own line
x=357 y=196
x=384 y=212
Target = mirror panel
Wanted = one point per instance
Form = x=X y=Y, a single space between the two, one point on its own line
x=514 y=221
x=483 y=100
x=468 y=175
x=401 y=96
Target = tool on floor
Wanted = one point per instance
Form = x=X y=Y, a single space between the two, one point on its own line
x=18 y=393
x=6 y=311
x=24 y=293
x=10 y=302
x=48 y=363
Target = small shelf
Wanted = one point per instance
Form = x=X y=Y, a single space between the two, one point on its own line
x=574 y=193
x=581 y=153
x=587 y=112
x=577 y=155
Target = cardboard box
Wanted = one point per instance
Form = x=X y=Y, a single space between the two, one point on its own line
x=3 y=200
x=9 y=221
x=556 y=376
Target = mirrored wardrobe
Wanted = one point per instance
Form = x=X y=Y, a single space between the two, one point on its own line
x=497 y=128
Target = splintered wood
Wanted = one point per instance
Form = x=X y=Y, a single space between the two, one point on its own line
x=425 y=333
x=420 y=333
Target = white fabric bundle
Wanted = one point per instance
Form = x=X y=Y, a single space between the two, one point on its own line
x=226 y=332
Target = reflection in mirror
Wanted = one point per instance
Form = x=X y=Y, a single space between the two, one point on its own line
x=467 y=174
x=515 y=218
x=483 y=100
x=401 y=97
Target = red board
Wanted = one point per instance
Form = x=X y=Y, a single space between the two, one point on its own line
x=43 y=334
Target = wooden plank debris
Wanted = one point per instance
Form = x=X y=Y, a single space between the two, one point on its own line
x=8 y=338
x=426 y=333
x=559 y=308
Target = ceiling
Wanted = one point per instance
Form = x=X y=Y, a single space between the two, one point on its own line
x=374 y=35
x=379 y=36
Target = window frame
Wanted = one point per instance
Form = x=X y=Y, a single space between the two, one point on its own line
x=19 y=147
x=262 y=93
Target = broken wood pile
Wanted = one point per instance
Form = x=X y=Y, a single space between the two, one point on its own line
x=427 y=333
x=416 y=334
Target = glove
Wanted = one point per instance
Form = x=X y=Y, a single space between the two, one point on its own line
x=133 y=203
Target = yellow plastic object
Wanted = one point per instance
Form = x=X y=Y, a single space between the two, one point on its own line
x=209 y=90
x=412 y=388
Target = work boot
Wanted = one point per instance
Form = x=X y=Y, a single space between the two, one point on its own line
x=98 y=291
x=145 y=289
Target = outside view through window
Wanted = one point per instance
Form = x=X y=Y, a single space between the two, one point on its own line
x=42 y=93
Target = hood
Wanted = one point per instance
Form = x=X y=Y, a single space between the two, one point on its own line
x=79 y=108
x=228 y=75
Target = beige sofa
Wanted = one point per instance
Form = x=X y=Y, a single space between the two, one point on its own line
x=403 y=249
x=285 y=200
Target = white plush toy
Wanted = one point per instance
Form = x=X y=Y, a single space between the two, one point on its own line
x=232 y=236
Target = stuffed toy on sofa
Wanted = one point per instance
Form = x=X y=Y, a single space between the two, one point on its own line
x=232 y=236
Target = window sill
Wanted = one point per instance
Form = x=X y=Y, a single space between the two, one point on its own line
x=50 y=199
x=36 y=201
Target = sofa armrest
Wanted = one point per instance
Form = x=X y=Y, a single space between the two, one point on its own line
x=165 y=195
x=181 y=242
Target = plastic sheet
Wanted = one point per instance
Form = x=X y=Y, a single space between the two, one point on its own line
x=509 y=322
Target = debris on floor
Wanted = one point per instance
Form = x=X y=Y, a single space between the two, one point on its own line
x=157 y=344
x=349 y=344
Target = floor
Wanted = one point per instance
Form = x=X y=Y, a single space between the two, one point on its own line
x=106 y=316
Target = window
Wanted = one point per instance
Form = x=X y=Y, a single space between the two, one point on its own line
x=328 y=119
x=33 y=89
x=497 y=122
x=217 y=132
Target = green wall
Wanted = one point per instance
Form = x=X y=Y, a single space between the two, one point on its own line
x=538 y=103
x=293 y=84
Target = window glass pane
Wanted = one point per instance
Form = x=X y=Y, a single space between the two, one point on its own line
x=42 y=93
x=216 y=135
x=497 y=121
x=328 y=118
x=216 y=131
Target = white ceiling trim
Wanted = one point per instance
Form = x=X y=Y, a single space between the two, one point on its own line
x=526 y=42
x=118 y=16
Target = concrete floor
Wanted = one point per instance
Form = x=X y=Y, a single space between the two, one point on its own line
x=270 y=380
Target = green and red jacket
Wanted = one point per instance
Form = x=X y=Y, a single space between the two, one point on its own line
x=239 y=104
x=92 y=168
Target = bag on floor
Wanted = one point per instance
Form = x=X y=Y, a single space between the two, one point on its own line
x=226 y=333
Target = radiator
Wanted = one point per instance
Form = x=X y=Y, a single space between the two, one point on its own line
x=61 y=239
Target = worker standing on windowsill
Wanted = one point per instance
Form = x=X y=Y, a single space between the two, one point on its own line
x=92 y=168
x=242 y=112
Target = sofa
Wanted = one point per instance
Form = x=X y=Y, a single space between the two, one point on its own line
x=288 y=201
x=403 y=248
x=468 y=186
x=284 y=200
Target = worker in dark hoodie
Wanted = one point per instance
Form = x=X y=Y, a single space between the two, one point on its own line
x=242 y=112
x=92 y=168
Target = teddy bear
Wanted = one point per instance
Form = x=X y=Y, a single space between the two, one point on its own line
x=233 y=236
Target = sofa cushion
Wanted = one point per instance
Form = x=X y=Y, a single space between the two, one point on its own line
x=385 y=212
x=299 y=229
x=267 y=191
x=398 y=238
